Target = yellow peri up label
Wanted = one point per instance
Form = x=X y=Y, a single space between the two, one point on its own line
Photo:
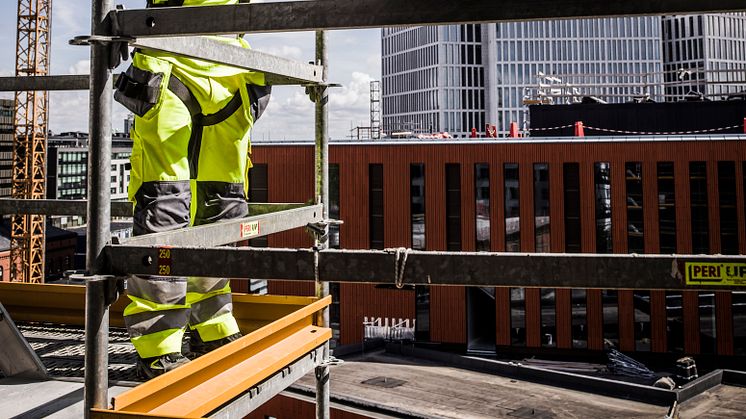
x=718 y=274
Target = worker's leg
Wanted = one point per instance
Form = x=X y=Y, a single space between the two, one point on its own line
x=220 y=194
x=159 y=186
x=211 y=322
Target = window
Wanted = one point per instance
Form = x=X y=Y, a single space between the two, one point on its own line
x=642 y=320
x=666 y=207
x=579 y=319
x=675 y=321
x=453 y=207
x=512 y=208
x=700 y=216
x=482 y=194
x=571 y=174
x=548 y=318
x=375 y=193
x=602 y=178
x=541 y=207
x=518 y=316
x=728 y=208
x=610 y=300
x=334 y=205
x=739 y=322
x=635 y=219
x=417 y=205
x=707 y=323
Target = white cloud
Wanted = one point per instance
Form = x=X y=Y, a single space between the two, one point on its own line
x=81 y=67
x=354 y=60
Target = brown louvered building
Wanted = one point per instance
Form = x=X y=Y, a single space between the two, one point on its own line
x=592 y=195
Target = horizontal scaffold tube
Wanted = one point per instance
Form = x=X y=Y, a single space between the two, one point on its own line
x=546 y=270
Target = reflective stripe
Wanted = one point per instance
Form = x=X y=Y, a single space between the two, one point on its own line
x=158 y=290
x=203 y=285
x=139 y=305
x=218 y=328
x=149 y=322
x=157 y=344
x=210 y=308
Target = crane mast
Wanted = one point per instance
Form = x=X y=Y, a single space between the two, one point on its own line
x=30 y=140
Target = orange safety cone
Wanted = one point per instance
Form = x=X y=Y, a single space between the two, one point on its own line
x=514 y=130
x=579 y=131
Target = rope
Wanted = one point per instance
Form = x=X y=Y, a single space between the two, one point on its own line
x=702 y=131
x=400 y=265
x=621 y=131
x=551 y=128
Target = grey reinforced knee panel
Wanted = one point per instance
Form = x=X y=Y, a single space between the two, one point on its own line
x=161 y=206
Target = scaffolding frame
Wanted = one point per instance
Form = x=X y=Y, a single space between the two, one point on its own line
x=165 y=28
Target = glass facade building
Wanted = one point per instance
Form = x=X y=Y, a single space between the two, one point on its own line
x=6 y=146
x=461 y=77
x=704 y=55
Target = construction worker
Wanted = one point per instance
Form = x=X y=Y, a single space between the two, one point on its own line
x=190 y=161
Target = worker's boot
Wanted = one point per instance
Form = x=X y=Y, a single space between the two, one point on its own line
x=198 y=347
x=148 y=368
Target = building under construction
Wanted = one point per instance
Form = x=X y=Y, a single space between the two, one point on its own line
x=448 y=249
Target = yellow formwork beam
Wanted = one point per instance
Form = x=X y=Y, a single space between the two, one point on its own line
x=205 y=384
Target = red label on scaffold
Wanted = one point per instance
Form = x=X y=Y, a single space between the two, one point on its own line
x=164 y=261
x=249 y=229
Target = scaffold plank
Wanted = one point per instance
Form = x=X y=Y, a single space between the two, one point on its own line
x=546 y=270
x=352 y=14
x=232 y=231
x=277 y=70
x=118 y=208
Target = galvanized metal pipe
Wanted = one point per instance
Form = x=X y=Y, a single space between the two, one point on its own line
x=96 y=345
x=358 y=14
x=322 y=189
x=99 y=213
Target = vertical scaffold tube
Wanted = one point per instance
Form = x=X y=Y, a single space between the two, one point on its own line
x=322 y=190
x=98 y=214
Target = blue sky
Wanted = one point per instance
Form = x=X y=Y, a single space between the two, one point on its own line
x=354 y=60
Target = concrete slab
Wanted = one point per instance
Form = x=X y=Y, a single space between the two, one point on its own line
x=28 y=399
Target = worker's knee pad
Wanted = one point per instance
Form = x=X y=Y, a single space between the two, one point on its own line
x=217 y=201
x=158 y=290
x=161 y=206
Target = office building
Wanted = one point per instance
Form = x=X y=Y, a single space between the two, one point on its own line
x=7 y=112
x=67 y=166
x=705 y=55
x=673 y=194
x=455 y=78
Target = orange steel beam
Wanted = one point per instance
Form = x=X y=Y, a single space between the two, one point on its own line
x=203 y=385
x=65 y=304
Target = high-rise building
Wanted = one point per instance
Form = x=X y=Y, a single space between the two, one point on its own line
x=705 y=55
x=460 y=77
x=67 y=165
x=6 y=146
x=455 y=78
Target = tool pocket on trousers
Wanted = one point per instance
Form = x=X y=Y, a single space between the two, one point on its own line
x=139 y=90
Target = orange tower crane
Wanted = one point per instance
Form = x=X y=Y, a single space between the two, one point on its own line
x=30 y=142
